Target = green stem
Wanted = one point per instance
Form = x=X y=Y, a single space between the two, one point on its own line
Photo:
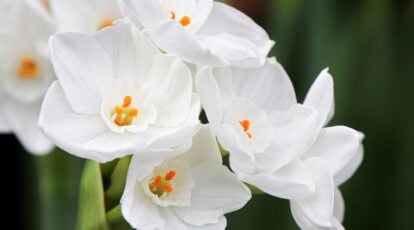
x=116 y=220
x=58 y=179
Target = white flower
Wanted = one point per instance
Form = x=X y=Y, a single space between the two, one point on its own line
x=192 y=191
x=25 y=71
x=203 y=32
x=116 y=96
x=84 y=16
x=255 y=116
x=278 y=145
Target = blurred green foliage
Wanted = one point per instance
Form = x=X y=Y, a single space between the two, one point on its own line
x=369 y=47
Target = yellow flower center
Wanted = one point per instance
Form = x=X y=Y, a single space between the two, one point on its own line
x=161 y=185
x=124 y=115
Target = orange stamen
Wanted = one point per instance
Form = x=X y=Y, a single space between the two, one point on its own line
x=245 y=124
x=170 y=175
x=118 y=111
x=167 y=188
x=133 y=113
x=127 y=101
x=185 y=21
x=28 y=68
x=155 y=182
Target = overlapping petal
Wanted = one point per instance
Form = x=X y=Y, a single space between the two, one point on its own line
x=316 y=208
x=339 y=146
x=290 y=182
x=83 y=69
x=321 y=97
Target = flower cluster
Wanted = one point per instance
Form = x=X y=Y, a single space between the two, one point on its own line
x=132 y=79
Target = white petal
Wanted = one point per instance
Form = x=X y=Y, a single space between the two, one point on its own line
x=82 y=135
x=143 y=12
x=339 y=206
x=176 y=90
x=22 y=119
x=143 y=163
x=83 y=69
x=240 y=158
x=166 y=137
x=268 y=86
x=173 y=38
x=139 y=210
x=173 y=221
x=294 y=131
x=224 y=79
x=210 y=95
x=130 y=51
x=236 y=51
x=352 y=166
x=240 y=161
x=144 y=50
x=4 y=123
x=118 y=43
x=290 y=182
x=217 y=191
x=305 y=223
x=336 y=225
x=318 y=206
x=224 y=19
x=340 y=147
x=203 y=150
x=321 y=97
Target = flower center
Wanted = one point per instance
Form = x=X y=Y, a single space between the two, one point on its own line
x=184 y=21
x=124 y=115
x=27 y=68
x=161 y=185
x=105 y=23
x=245 y=124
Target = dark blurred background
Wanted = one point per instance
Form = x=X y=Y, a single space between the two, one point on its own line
x=369 y=47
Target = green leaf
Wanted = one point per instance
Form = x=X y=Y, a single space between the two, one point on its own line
x=91 y=211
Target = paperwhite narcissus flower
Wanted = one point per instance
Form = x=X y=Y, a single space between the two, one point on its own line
x=280 y=146
x=116 y=96
x=25 y=72
x=203 y=32
x=255 y=116
x=192 y=191
x=84 y=16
